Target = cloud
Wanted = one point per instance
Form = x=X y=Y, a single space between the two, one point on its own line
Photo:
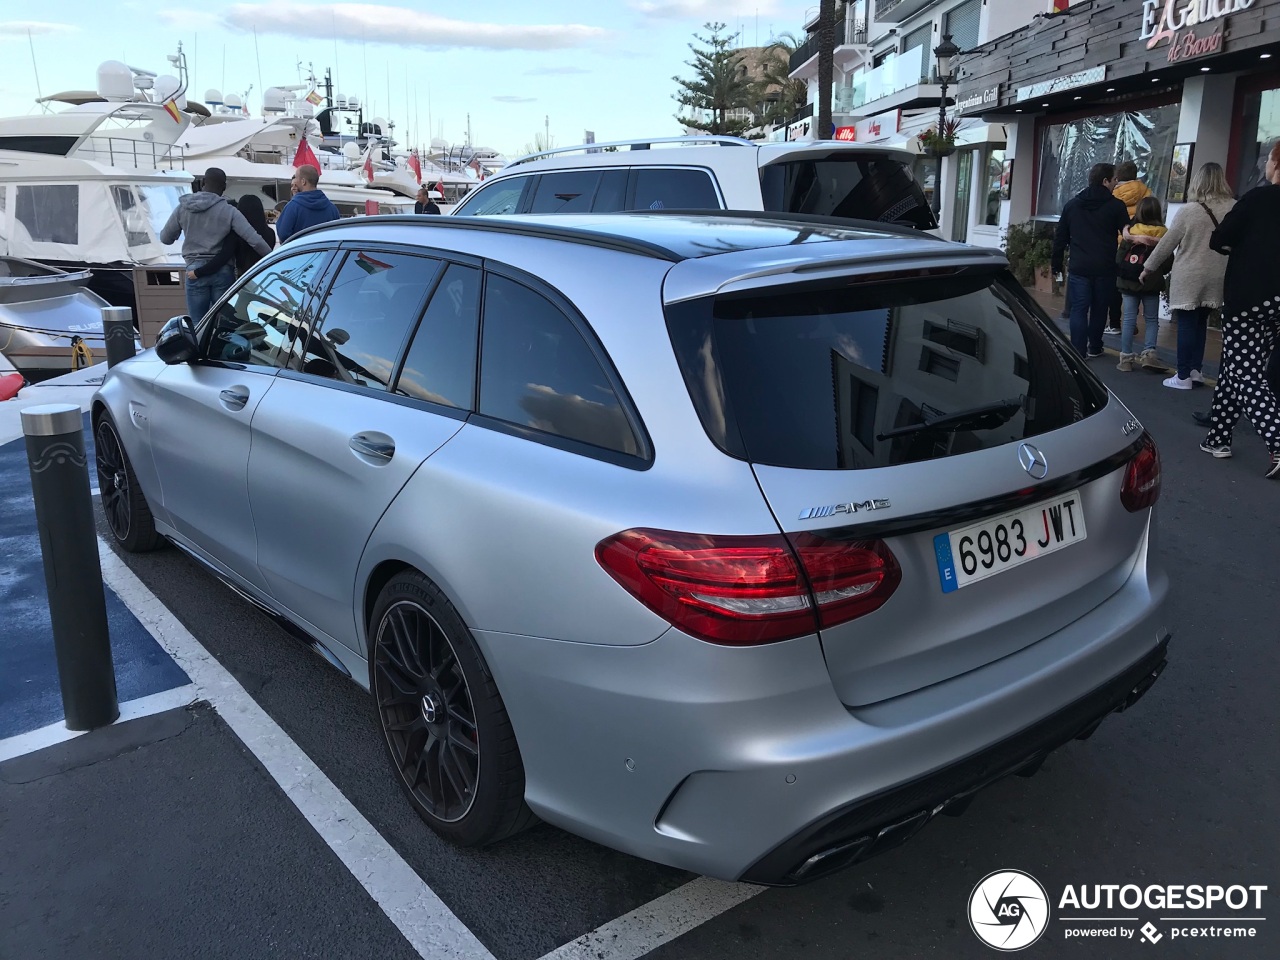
x=20 y=28
x=189 y=19
x=726 y=10
x=404 y=27
x=508 y=98
x=544 y=71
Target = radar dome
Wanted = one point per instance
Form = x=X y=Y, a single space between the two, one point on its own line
x=165 y=87
x=351 y=150
x=233 y=100
x=115 y=81
x=273 y=100
x=213 y=97
x=340 y=101
x=353 y=103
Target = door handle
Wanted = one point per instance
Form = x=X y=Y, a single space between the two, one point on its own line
x=235 y=397
x=378 y=447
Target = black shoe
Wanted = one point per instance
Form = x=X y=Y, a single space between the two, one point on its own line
x=1202 y=418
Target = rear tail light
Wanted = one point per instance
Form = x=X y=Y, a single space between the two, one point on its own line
x=1141 y=487
x=742 y=591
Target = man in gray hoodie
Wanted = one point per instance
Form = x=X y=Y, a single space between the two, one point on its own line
x=204 y=220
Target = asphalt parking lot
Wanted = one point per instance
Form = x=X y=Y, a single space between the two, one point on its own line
x=175 y=841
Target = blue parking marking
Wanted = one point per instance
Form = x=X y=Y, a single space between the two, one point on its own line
x=946 y=565
x=29 y=693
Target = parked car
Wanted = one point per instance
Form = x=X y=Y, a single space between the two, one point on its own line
x=826 y=178
x=742 y=543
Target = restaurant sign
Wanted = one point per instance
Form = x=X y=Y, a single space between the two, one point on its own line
x=1172 y=20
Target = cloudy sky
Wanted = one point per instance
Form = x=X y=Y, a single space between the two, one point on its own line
x=425 y=64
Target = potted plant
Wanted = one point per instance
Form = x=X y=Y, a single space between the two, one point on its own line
x=1029 y=247
x=940 y=141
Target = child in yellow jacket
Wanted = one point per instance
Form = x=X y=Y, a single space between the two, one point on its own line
x=1130 y=258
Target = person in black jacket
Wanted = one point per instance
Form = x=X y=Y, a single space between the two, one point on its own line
x=1250 y=235
x=1090 y=225
x=424 y=203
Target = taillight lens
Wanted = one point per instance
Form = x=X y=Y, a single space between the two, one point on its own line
x=750 y=590
x=1141 y=487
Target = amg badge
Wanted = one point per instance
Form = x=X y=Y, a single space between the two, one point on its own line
x=831 y=510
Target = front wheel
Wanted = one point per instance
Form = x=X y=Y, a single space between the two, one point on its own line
x=123 y=503
x=444 y=724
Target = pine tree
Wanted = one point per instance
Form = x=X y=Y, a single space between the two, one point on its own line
x=720 y=85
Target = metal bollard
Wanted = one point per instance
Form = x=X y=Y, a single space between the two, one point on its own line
x=72 y=573
x=117 y=330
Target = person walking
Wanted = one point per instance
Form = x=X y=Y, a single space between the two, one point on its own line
x=424 y=203
x=1130 y=191
x=234 y=250
x=1250 y=236
x=1149 y=222
x=1090 y=226
x=1196 y=282
x=309 y=205
x=204 y=220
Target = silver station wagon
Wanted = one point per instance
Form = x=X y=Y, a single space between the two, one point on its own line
x=745 y=543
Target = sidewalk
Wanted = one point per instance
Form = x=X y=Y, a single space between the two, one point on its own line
x=1166 y=342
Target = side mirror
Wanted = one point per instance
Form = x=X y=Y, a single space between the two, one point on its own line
x=176 y=342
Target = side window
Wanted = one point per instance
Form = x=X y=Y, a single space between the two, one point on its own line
x=370 y=309
x=612 y=194
x=441 y=363
x=689 y=189
x=49 y=212
x=567 y=192
x=502 y=196
x=262 y=322
x=537 y=371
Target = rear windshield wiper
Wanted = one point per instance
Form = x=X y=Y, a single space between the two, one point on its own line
x=975 y=418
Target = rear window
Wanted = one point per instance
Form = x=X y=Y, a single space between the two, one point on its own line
x=877 y=373
x=864 y=187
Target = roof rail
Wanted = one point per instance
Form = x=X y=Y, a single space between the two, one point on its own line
x=642 y=144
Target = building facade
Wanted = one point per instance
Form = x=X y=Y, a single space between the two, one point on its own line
x=1169 y=84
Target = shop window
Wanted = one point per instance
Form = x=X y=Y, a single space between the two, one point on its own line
x=1068 y=150
x=1261 y=126
x=992 y=183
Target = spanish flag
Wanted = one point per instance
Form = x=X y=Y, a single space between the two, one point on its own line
x=171 y=108
x=314 y=98
x=1060 y=6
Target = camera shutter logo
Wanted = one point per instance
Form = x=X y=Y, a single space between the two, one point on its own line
x=1008 y=910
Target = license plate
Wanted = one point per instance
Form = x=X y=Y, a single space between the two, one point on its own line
x=982 y=550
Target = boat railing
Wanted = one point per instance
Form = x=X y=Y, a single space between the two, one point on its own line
x=131 y=152
x=641 y=144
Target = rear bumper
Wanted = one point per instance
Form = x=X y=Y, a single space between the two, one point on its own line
x=875 y=824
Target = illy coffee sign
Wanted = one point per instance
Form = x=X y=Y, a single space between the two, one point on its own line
x=1167 y=19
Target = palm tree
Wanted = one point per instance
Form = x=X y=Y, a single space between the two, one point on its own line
x=782 y=96
x=826 y=65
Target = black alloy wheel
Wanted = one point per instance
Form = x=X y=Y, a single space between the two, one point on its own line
x=445 y=727
x=427 y=712
x=123 y=504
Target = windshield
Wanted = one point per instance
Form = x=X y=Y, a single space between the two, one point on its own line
x=874 y=374
x=861 y=186
x=144 y=209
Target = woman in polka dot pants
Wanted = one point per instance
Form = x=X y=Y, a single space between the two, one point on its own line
x=1250 y=235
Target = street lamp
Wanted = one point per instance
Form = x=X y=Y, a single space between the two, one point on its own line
x=946 y=51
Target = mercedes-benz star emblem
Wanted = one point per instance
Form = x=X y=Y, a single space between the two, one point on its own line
x=428 y=709
x=1033 y=461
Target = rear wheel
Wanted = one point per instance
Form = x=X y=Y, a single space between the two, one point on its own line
x=123 y=503
x=444 y=724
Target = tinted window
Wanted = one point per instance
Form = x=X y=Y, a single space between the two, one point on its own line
x=502 y=196
x=262 y=322
x=612 y=192
x=658 y=189
x=841 y=185
x=805 y=379
x=537 y=371
x=568 y=192
x=50 y=213
x=370 y=309
x=441 y=363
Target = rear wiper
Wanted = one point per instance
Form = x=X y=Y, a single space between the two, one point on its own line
x=975 y=418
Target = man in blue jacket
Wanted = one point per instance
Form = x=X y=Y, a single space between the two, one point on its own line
x=308 y=207
x=1090 y=225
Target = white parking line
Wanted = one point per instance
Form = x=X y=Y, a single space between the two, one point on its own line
x=657 y=922
x=34 y=740
x=417 y=912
